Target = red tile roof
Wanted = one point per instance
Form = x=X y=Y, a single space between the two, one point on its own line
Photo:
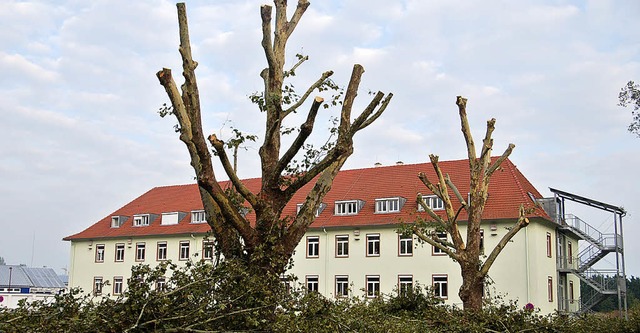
x=507 y=190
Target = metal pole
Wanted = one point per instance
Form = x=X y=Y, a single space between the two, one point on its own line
x=624 y=273
x=615 y=242
x=10 y=271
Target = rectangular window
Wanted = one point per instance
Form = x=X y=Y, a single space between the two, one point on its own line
x=116 y=222
x=97 y=285
x=373 y=245
x=441 y=286
x=373 y=285
x=99 y=252
x=161 y=252
x=350 y=207
x=342 y=246
x=342 y=286
x=184 y=250
x=312 y=282
x=198 y=216
x=117 y=285
x=569 y=253
x=321 y=207
x=140 y=251
x=571 y=295
x=405 y=245
x=161 y=284
x=549 y=245
x=481 y=241
x=390 y=205
x=432 y=202
x=442 y=235
x=313 y=247
x=140 y=220
x=550 y=288
x=120 y=252
x=405 y=284
x=207 y=249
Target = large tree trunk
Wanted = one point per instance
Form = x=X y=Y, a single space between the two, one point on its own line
x=471 y=290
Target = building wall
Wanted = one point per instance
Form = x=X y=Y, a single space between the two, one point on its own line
x=84 y=267
x=520 y=273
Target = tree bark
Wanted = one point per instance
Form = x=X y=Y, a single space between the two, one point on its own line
x=467 y=252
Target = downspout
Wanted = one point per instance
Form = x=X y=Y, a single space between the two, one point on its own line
x=326 y=257
x=526 y=252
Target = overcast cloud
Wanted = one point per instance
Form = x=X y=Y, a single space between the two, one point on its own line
x=80 y=135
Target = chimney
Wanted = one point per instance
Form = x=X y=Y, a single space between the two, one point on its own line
x=399 y=163
x=378 y=164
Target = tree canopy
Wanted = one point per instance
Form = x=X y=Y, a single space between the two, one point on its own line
x=630 y=95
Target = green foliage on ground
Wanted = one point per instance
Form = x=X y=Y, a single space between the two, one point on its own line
x=203 y=298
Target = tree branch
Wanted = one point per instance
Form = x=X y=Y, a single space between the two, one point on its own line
x=461 y=102
x=501 y=159
x=522 y=222
x=218 y=145
x=431 y=241
x=306 y=94
x=305 y=130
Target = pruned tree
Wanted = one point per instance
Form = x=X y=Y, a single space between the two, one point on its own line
x=268 y=242
x=466 y=252
x=630 y=95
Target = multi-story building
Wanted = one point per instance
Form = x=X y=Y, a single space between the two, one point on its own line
x=353 y=247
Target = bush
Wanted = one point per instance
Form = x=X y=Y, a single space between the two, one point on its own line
x=202 y=298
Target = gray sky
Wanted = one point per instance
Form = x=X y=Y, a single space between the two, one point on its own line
x=81 y=137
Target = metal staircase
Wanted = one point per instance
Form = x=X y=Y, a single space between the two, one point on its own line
x=596 y=245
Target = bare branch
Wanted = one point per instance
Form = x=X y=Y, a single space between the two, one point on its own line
x=487 y=143
x=265 y=14
x=431 y=212
x=522 y=222
x=501 y=159
x=423 y=177
x=350 y=95
x=456 y=192
x=378 y=113
x=218 y=145
x=433 y=242
x=306 y=94
x=305 y=130
x=461 y=102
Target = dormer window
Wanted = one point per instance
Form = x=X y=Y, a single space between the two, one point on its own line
x=432 y=202
x=348 y=207
x=141 y=220
x=117 y=221
x=172 y=218
x=198 y=216
x=318 y=211
x=389 y=205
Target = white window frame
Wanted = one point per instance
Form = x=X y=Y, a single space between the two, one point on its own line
x=119 y=256
x=116 y=221
x=342 y=285
x=318 y=211
x=198 y=216
x=441 y=285
x=161 y=252
x=313 y=246
x=118 y=285
x=405 y=246
x=347 y=207
x=161 y=284
x=433 y=202
x=373 y=286
x=207 y=249
x=373 y=244
x=184 y=250
x=443 y=235
x=141 y=220
x=342 y=246
x=99 y=253
x=388 y=205
x=312 y=282
x=405 y=283
x=141 y=251
x=98 y=282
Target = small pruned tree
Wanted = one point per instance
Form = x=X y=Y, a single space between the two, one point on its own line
x=630 y=95
x=466 y=252
x=267 y=243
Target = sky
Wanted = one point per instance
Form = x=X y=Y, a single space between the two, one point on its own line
x=80 y=134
